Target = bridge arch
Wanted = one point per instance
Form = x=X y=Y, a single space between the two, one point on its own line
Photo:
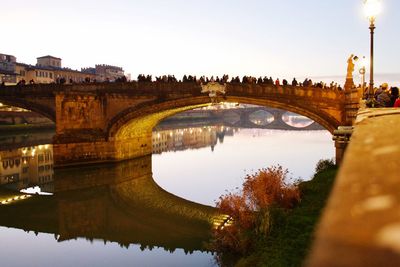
x=31 y=106
x=135 y=117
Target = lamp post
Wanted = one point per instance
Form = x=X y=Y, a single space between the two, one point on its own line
x=372 y=9
x=362 y=71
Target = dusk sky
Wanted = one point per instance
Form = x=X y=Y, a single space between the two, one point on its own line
x=282 y=38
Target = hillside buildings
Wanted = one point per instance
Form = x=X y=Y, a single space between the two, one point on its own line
x=49 y=69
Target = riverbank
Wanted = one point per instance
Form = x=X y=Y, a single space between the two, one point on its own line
x=292 y=233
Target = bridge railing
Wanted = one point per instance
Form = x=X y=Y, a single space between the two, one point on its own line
x=32 y=89
x=168 y=89
x=287 y=90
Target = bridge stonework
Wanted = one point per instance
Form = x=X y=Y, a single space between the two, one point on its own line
x=102 y=122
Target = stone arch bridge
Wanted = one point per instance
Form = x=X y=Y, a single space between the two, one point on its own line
x=104 y=122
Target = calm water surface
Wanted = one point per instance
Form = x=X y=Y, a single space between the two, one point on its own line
x=136 y=213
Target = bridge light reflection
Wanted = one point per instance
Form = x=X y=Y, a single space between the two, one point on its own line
x=36 y=190
x=13 y=199
x=222 y=221
x=223 y=105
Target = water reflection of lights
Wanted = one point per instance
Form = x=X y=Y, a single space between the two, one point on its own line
x=34 y=190
x=33 y=152
x=222 y=221
x=261 y=118
x=13 y=199
x=222 y=105
x=296 y=120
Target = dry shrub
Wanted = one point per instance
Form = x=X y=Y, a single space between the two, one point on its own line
x=268 y=187
x=250 y=209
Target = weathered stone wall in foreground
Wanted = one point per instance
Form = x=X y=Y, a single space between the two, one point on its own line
x=360 y=226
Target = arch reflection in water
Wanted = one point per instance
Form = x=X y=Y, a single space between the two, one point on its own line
x=296 y=120
x=261 y=117
x=117 y=203
x=167 y=139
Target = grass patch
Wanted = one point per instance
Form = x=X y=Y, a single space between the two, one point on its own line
x=292 y=233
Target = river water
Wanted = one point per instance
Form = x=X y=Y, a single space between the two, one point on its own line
x=136 y=213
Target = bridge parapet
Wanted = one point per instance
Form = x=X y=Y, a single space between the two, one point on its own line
x=287 y=90
x=173 y=87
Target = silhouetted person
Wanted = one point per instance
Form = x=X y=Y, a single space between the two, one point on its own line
x=294 y=82
x=394 y=94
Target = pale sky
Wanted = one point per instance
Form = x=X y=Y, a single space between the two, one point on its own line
x=284 y=38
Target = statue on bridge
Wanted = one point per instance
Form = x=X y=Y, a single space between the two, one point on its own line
x=213 y=88
x=349 y=85
x=350 y=66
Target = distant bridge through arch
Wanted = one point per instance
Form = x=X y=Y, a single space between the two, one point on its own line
x=105 y=122
x=237 y=117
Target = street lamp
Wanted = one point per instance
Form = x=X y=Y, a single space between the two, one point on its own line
x=362 y=71
x=372 y=9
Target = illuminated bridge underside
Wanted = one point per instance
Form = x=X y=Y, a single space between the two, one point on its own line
x=122 y=205
x=113 y=122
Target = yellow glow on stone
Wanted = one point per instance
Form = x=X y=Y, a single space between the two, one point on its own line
x=144 y=125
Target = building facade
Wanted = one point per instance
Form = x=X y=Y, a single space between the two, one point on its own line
x=109 y=73
x=51 y=66
x=23 y=167
x=7 y=68
x=48 y=69
x=49 y=61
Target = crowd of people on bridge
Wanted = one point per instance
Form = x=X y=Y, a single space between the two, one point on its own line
x=237 y=80
x=204 y=80
x=383 y=96
x=386 y=97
